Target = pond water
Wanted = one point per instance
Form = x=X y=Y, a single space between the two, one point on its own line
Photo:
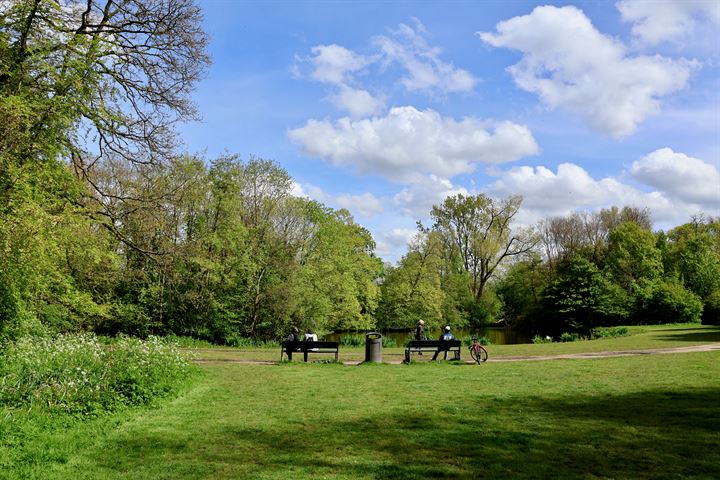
x=496 y=335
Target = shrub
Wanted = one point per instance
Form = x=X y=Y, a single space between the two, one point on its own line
x=541 y=339
x=711 y=310
x=244 y=342
x=77 y=373
x=569 y=337
x=352 y=341
x=609 y=332
x=667 y=302
x=388 y=342
x=188 y=342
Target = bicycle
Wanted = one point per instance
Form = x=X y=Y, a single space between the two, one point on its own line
x=477 y=351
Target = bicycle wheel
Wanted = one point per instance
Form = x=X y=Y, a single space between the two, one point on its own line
x=479 y=354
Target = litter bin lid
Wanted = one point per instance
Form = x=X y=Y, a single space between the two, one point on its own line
x=373 y=335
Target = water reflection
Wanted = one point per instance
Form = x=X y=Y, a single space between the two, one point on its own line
x=497 y=336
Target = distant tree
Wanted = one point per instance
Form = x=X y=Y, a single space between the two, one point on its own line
x=692 y=253
x=633 y=255
x=582 y=297
x=476 y=232
x=412 y=291
x=521 y=289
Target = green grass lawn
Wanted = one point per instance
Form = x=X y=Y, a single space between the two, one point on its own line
x=630 y=417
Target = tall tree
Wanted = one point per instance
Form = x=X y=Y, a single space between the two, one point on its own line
x=477 y=234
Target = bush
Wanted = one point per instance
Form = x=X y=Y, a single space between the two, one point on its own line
x=388 y=342
x=77 y=373
x=569 y=337
x=711 y=310
x=609 y=332
x=352 y=341
x=667 y=302
x=541 y=339
x=244 y=342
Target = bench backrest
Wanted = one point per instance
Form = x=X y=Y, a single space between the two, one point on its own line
x=300 y=345
x=434 y=343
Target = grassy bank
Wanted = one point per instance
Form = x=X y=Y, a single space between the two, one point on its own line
x=633 y=417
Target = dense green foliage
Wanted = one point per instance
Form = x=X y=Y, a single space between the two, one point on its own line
x=79 y=374
x=106 y=226
x=609 y=269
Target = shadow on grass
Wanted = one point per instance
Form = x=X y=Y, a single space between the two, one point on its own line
x=692 y=335
x=653 y=434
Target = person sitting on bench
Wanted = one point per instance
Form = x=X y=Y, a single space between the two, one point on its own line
x=293 y=337
x=446 y=336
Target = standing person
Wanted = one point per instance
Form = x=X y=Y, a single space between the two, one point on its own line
x=445 y=336
x=293 y=337
x=419 y=332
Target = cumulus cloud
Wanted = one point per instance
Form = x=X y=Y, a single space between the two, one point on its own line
x=357 y=102
x=571 y=188
x=570 y=64
x=365 y=205
x=425 y=71
x=659 y=21
x=335 y=64
x=681 y=177
x=406 y=46
x=417 y=199
x=407 y=142
x=394 y=242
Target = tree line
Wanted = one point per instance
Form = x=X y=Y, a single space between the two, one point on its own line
x=566 y=274
x=105 y=225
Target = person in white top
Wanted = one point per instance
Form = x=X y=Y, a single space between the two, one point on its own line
x=311 y=336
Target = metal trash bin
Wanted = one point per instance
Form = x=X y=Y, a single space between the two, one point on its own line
x=373 y=347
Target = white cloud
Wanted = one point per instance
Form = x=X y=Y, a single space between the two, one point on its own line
x=340 y=67
x=681 y=177
x=570 y=64
x=425 y=70
x=334 y=64
x=547 y=193
x=417 y=199
x=393 y=243
x=659 y=21
x=365 y=204
x=408 y=142
x=359 y=103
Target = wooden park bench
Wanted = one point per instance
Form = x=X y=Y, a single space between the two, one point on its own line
x=309 y=347
x=417 y=346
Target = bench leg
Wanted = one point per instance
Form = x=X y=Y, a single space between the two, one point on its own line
x=305 y=354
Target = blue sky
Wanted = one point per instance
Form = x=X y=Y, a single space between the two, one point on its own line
x=384 y=108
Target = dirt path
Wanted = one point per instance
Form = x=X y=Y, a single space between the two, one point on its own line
x=623 y=353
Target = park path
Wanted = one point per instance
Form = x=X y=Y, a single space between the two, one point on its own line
x=586 y=355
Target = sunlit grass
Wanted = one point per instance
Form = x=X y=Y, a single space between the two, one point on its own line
x=631 y=417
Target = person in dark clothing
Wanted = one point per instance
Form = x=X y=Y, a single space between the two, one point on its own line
x=294 y=337
x=419 y=332
x=446 y=336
